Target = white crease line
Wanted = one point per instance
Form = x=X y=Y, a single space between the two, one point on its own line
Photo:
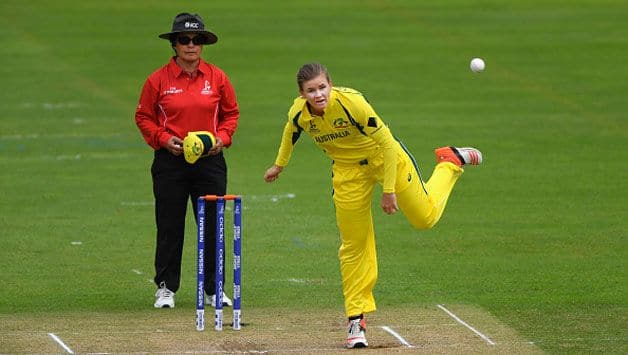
x=272 y=198
x=137 y=203
x=396 y=335
x=75 y=157
x=138 y=272
x=300 y=281
x=57 y=135
x=489 y=341
x=60 y=342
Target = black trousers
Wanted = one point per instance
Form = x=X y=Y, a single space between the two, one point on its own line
x=175 y=182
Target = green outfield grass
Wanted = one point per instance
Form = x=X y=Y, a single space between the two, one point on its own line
x=536 y=237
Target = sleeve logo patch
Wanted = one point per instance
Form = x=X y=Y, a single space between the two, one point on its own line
x=372 y=122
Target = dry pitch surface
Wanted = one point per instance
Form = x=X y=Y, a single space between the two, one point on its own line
x=410 y=329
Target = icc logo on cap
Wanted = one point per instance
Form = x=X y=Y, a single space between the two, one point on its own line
x=191 y=25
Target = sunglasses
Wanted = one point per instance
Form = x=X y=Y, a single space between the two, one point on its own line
x=185 y=40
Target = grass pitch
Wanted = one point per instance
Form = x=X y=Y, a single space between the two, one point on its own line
x=414 y=329
x=532 y=244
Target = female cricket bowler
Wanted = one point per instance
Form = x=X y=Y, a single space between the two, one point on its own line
x=364 y=152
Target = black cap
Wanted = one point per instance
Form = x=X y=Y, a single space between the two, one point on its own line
x=187 y=22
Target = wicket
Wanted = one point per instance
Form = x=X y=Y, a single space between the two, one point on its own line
x=220 y=260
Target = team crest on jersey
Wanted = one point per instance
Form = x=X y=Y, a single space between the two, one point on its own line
x=340 y=123
x=313 y=128
x=207 y=89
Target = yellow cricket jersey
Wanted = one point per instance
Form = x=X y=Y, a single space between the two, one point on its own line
x=348 y=132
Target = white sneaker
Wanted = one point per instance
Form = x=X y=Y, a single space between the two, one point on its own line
x=211 y=300
x=356 y=337
x=164 y=298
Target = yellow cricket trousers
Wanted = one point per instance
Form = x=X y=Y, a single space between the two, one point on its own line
x=421 y=203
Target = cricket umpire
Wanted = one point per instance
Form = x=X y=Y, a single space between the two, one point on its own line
x=187 y=97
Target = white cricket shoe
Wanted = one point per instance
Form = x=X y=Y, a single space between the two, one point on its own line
x=211 y=300
x=164 y=298
x=459 y=156
x=356 y=337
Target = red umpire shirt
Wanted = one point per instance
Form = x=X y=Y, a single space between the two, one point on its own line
x=174 y=103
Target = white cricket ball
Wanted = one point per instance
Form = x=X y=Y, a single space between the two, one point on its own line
x=477 y=65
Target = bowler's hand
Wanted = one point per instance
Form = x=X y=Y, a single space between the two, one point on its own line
x=217 y=148
x=175 y=145
x=272 y=173
x=389 y=202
